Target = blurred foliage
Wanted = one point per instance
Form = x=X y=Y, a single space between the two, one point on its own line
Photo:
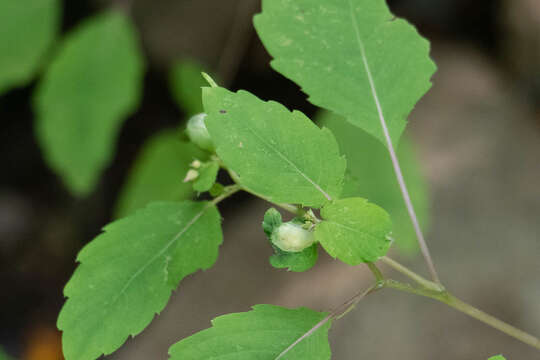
x=3 y=355
x=158 y=173
x=185 y=82
x=93 y=83
x=371 y=176
x=27 y=30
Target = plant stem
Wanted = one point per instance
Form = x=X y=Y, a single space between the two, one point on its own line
x=337 y=313
x=492 y=321
x=450 y=300
x=393 y=156
x=228 y=191
x=376 y=272
x=411 y=274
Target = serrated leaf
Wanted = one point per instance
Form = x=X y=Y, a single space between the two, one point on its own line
x=261 y=334
x=295 y=261
x=497 y=357
x=354 y=231
x=347 y=55
x=92 y=84
x=207 y=176
x=372 y=177
x=27 y=30
x=185 y=82
x=157 y=173
x=126 y=275
x=277 y=154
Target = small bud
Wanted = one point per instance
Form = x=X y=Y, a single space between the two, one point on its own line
x=191 y=175
x=196 y=164
x=292 y=237
x=198 y=133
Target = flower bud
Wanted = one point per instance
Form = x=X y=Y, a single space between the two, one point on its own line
x=292 y=237
x=198 y=133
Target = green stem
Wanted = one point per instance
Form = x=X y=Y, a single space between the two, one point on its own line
x=376 y=272
x=411 y=274
x=228 y=191
x=452 y=301
x=492 y=321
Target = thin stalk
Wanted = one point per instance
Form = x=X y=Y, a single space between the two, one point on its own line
x=492 y=321
x=420 y=280
x=376 y=272
x=228 y=191
x=395 y=162
x=337 y=313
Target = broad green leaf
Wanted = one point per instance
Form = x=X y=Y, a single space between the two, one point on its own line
x=295 y=261
x=354 y=230
x=126 y=275
x=92 y=84
x=207 y=176
x=158 y=172
x=27 y=30
x=275 y=153
x=185 y=82
x=497 y=357
x=261 y=334
x=372 y=177
x=347 y=55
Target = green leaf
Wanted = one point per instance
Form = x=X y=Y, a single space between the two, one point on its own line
x=158 y=172
x=93 y=83
x=295 y=261
x=27 y=31
x=185 y=82
x=207 y=176
x=261 y=334
x=354 y=231
x=348 y=54
x=371 y=176
x=126 y=275
x=498 y=357
x=275 y=153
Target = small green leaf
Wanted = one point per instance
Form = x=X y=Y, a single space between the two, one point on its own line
x=262 y=334
x=371 y=176
x=271 y=221
x=185 y=82
x=497 y=357
x=207 y=176
x=349 y=55
x=295 y=261
x=27 y=30
x=275 y=153
x=354 y=231
x=91 y=86
x=157 y=173
x=126 y=275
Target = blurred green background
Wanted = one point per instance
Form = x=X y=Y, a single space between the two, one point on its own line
x=92 y=108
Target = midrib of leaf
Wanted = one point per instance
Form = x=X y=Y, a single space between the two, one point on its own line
x=160 y=253
x=317 y=186
x=352 y=229
x=393 y=156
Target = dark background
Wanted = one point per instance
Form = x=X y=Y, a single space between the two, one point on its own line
x=478 y=134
